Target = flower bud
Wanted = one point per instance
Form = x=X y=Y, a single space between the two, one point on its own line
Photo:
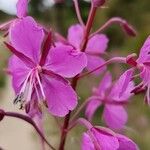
x=98 y=3
x=129 y=29
x=2 y=114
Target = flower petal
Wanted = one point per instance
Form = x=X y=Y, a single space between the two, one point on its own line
x=92 y=105
x=61 y=98
x=19 y=72
x=121 y=91
x=105 y=140
x=94 y=62
x=75 y=35
x=145 y=51
x=97 y=44
x=22 y=6
x=27 y=37
x=86 y=142
x=125 y=143
x=66 y=61
x=115 y=116
x=105 y=84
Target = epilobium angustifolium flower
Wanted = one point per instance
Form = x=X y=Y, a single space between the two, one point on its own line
x=34 y=82
x=96 y=46
x=101 y=138
x=143 y=65
x=107 y=94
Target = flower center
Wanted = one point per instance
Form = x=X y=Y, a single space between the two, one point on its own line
x=31 y=88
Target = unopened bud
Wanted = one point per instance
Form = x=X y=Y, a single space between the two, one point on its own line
x=129 y=29
x=2 y=114
x=98 y=3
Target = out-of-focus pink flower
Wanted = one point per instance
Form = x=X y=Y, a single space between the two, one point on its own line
x=143 y=65
x=98 y=138
x=108 y=94
x=35 y=82
x=96 y=46
x=22 y=6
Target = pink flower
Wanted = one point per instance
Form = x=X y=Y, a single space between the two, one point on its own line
x=143 y=65
x=96 y=46
x=107 y=94
x=22 y=6
x=98 y=138
x=39 y=77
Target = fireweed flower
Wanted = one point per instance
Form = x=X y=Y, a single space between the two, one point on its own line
x=143 y=65
x=95 y=46
x=35 y=80
x=100 y=138
x=107 y=94
x=21 y=6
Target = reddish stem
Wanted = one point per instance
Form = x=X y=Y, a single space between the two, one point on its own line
x=88 y=27
x=75 y=79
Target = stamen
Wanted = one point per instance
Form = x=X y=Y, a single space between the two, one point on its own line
x=18 y=98
x=41 y=88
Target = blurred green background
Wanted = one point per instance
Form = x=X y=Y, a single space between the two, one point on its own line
x=60 y=16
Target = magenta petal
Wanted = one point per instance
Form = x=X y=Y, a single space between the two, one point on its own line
x=61 y=98
x=105 y=84
x=144 y=52
x=105 y=140
x=94 y=62
x=75 y=35
x=66 y=61
x=115 y=116
x=93 y=104
x=19 y=72
x=122 y=89
x=125 y=143
x=31 y=37
x=22 y=6
x=97 y=44
x=87 y=142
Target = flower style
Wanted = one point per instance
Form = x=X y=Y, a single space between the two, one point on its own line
x=99 y=138
x=21 y=6
x=114 y=113
x=95 y=46
x=38 y=75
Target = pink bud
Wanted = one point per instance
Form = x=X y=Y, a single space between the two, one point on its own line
x=129 y=29
x=98 y=3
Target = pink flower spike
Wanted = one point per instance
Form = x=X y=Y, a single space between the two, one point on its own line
x=22 y=8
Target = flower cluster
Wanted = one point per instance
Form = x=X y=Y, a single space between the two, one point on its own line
x=45 y=69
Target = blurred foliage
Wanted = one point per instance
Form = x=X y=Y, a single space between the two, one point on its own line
x=137 y=12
